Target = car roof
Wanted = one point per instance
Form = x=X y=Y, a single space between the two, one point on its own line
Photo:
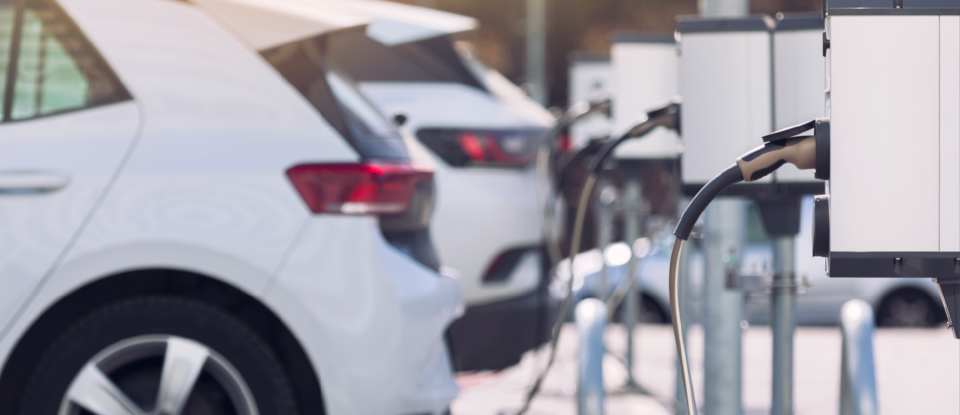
x=396 y=23
x=265 y=24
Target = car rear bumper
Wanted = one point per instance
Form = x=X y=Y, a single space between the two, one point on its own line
x=494 y=336
x=370 y=318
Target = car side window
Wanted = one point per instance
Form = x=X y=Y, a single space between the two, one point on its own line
x=49 y=66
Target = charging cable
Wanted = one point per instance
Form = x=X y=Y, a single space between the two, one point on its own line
x=547 y=154
x=781 y=147
x=667 y=116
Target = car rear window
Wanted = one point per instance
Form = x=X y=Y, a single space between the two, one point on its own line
x=429 y=60
x=333 y=93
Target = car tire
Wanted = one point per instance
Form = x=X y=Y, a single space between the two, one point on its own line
x=908 y=308
x=650 y=312
x=136 y=345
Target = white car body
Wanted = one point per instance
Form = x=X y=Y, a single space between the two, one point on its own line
x=483 y=212
x=189 y=175
x=480 y=211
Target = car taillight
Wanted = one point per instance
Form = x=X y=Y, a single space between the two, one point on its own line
x=507 y=148
x=564 y=143
x=360 y=189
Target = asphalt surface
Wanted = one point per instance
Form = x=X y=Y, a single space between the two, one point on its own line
x=918 y=372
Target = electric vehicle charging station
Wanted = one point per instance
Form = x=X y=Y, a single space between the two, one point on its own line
x=591 y=80
x=893 y=71
x=725 y=84
x=645 y=72
x=644 y=68
x=739 y=78
x=798 y=80
x=893 y=98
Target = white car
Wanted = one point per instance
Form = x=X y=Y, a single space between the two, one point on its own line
x=198 y=217
x=480 y=133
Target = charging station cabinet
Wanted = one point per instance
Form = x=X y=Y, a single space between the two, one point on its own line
x=799 y=80
x=725 y=82
x=893 y=98
x=591 y=79
x=644 y=67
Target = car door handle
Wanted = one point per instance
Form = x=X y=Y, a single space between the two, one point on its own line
x=31 y=181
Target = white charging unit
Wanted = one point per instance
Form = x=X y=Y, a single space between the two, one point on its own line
x=725 y=82
x=893 y=98
x=798 y=80
x=645 y=70
x=590 y=79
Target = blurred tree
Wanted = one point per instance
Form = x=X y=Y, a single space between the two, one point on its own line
x=575 y=25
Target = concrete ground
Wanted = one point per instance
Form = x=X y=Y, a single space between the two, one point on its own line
x=918 y=371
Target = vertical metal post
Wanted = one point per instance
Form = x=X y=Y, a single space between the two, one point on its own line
x=608 y=195
x=858 y=384
x=632 y=209
x=781 y=220
x=722 y=300
x=536 y=50
x=722 y=307
x=783 y=308
x=591 y=319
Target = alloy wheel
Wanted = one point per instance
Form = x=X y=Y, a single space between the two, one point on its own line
x=121 y=379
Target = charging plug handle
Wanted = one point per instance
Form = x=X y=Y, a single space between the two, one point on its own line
x=752 y=166
x=666 y=116
x=821 y=130
x=763 y=160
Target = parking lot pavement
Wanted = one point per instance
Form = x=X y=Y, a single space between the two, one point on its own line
x=493 y=393
x=918 y=371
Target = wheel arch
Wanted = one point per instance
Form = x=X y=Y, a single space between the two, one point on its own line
x=897 y=289
x=161 y=281
x=662 y=304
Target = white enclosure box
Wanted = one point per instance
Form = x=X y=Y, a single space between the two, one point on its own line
x=645 y=69
x=725 y=84
x=798 y=79
x=893 y=99
x=591 y=79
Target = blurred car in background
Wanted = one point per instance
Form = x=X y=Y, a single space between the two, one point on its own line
x=897 y=302
x=198 y=216
x=654 y=289
x=480 y=134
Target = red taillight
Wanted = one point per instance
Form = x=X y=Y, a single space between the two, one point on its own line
x=357 y=189
x=472 y=147
x=564 y=143
x=513 y=148
x=503 y=148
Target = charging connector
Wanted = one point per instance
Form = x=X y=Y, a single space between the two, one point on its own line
x=780 y=147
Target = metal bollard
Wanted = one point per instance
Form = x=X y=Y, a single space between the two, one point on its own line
x=631 y=231
x=858 y=385
x=591 y=319
x=605 y=206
